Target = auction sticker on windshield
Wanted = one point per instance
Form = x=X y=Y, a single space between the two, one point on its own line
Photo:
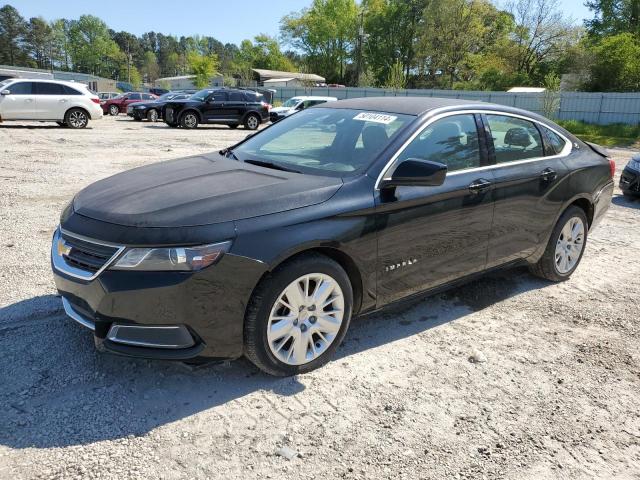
x=375 y=117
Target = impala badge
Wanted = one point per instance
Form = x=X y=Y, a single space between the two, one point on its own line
x=402 y=264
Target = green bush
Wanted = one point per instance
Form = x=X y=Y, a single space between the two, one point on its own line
x=616 y=134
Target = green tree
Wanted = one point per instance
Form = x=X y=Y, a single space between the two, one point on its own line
x=39 y=42
x=396 y=79
x=150 y=68
x=616 y=64
x=92 y=49
x=613 y=17
x=325 y=33
x=264 y=52
x=60 y=55
x=12 y=31
x=203 y=67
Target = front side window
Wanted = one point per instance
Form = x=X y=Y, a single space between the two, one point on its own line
x=20 y=88
x=292 y=102
x=325 y=141
x=452 y=141
x=514 y=138
x=135 y=96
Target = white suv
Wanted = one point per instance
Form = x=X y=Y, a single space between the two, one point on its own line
x=296 y=104
x=69 y=104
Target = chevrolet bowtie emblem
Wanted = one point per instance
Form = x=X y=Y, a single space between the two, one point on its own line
x=63 y=248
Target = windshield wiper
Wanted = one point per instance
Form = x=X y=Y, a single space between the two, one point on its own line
x=275 y=166
x=227 y=152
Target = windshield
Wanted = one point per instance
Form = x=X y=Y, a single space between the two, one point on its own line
x=325 y=141
x=292 y=102
x=6 y=82
x=201 y=95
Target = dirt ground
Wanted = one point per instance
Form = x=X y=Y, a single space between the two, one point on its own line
x=554 y=392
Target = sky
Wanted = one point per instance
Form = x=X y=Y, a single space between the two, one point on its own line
x=228 y=21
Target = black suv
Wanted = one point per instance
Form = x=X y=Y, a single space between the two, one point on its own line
x=222 y=106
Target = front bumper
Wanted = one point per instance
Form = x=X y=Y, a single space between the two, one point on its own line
x=630 y=181
x=162 y=315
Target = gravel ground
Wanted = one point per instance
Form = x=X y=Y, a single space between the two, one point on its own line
x=506 y=377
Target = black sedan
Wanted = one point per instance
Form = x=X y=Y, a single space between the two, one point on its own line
x=267 y=249
x=630 y=178
x=152 y=110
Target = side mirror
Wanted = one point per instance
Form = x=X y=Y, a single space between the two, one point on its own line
x=416 y=173
x=5 y=92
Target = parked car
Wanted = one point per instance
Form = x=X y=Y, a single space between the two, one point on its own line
x=69 y=104
x=630 y=178
x=119 y=104
x=296 y=104
x=104 y=96
x=268 y=248
x=226 y=106
x=158 y=91
x=153 y=109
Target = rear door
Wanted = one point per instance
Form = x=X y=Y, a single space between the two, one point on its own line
x=20 y=104
x=133 y=97
x=429 y=236
x=527 y=173
x=236 y=106
x=51 y=101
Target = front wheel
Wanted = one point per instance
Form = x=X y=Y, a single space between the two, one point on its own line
x=298 y=316
x=252 y=122
x=114 y=110
x=565 y=248
x=76 y=118
x=189 y=120
x=152 y=115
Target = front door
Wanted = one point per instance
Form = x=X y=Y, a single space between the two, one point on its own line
x=429 y=236
x=214 y=108
x=526 y=175
x=20 y=104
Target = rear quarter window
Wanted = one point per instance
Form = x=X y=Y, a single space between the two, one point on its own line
x=555 y=143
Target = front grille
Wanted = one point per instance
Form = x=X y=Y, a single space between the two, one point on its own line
x=87 y=255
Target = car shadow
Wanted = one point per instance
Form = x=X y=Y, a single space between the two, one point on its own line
x=58 y=391
x=35 y=127
x=628 y=202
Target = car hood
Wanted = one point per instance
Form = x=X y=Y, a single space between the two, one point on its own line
x=199 y=190
x=280 y=109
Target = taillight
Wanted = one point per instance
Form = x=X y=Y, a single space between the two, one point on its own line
x=612 y=166
x=96 y=100
x=266 y=105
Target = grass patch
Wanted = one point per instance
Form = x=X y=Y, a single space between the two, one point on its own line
x=614 y=135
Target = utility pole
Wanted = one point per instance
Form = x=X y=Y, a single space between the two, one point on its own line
x=361 y=39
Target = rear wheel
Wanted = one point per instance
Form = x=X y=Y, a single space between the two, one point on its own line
x=114 y=110
x=252 y=122
x=189 y=120
x=565 y=248
x=152 y=115
x=298 y=316
x=76 y=118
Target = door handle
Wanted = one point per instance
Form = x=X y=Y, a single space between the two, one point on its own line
x=548 y=175
x=480 y=186
x=28 y=100
x=63 y=100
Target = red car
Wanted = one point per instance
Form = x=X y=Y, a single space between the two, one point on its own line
x=117 y=105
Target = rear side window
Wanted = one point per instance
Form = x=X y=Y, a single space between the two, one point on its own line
x=236 y=97
x=43 y=88
x=452 y=141
x=146 y=96
x=555 y=143
x=250 y=97
x=514 y=138
x=219 y=96
x=70 y=91
x=20 y=88
x=135 y=96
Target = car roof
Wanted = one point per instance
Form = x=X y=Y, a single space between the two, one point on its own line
x=312 y=97
x=49 y=80
x=402 y=105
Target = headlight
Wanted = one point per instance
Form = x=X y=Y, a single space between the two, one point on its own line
x=634 y=163
x=171 y=259
x=139 y=106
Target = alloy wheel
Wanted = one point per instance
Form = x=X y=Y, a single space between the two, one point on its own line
x=305 y=319
x=78 y=119
x=190 y=120
x=114 y=110
x=569 y=245
x=252 y=122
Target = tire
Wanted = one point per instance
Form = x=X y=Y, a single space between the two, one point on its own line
x=267 y=301
x=233 y=126
x=252 y=122
x=76 y=118
x=114 y=110
x=152 y=115
x=189 y=120
x=551 y=266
